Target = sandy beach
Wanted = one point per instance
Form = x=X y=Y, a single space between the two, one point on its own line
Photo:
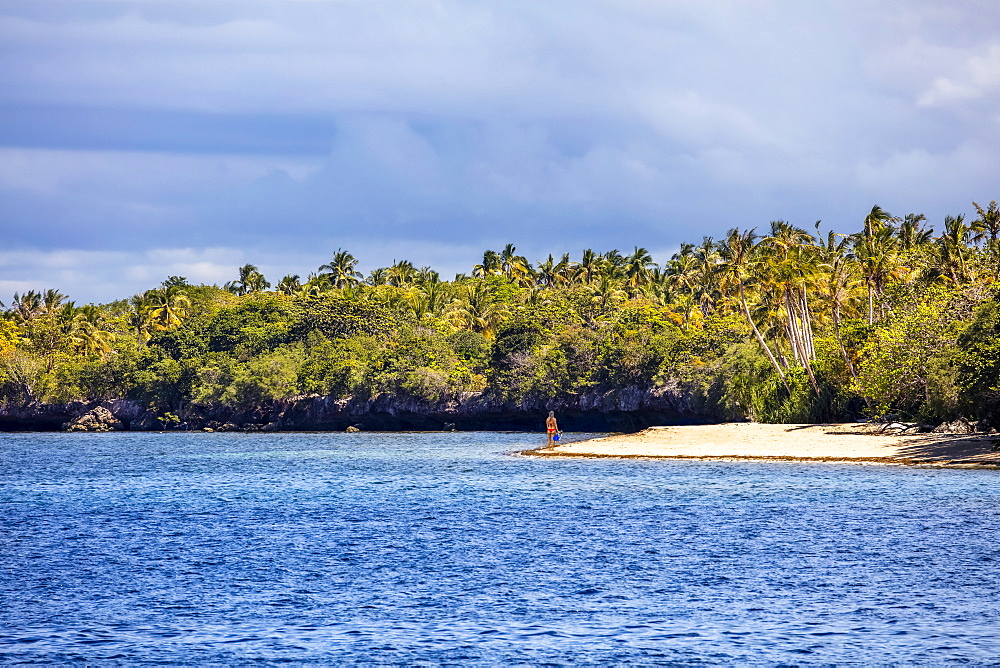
x=859 y=443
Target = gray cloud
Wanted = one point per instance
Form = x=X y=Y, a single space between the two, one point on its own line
x=273 y=129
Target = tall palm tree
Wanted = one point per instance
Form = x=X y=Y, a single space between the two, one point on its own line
x=877 y=255
x=737 y=268
x=877 y=219
x=988 y=225
x=789 y=260
x=955 y=250
x=683 y=269
x=341 y=269
x=911 y=233
x=839 y=286
x=588 y=268
x=552 y=274
x=516 y=267
x=707 y=269
x=612 y=263
x=27 y=306
x=638 y=270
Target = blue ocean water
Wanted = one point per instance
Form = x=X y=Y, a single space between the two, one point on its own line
x=430 y=548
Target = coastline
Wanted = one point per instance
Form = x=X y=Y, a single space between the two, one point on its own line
x=821 y=443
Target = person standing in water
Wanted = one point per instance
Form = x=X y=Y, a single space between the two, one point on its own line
x=551 y=426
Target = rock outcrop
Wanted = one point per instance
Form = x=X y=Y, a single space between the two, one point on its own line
x=622 y=409
x=97 y=419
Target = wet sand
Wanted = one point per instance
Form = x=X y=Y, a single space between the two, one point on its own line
x=860 y=443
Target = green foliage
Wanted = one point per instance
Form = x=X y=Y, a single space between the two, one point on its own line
x=245 y=384
x=336 y=316
x=337 y=368
x=750 y=387
x=977 y=368
x=907 y=365
x=641 y=345
x=788 y=327
x=255 y=324
x=512 y=363
x=566 y=366
x=21 y=376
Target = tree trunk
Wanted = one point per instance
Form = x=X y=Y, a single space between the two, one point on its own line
x=840 y=342
x=762 y=342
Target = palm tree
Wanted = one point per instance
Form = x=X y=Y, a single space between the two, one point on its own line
x=737 y=267
x=565 y=270
x=489 y=267
x=706 y=269
x=788 y=256
x=516 y=267
x=401 y=273
x=84 y=331
x=476 y=309
x=166 y=308
x=250 y=280
x=589 y=267
x=612 y=263
x=427 y=276
x=289 y=285
x=341 y=270
x=378 y=276
x=877 y=219
x=551 y=274
x=92 y=340
x=682 y=269
x=430 y=297
x=988 y=224
x=955 y=251
x=689 y=309
x=27 y=306
x=661 y=285
x=839 y=286
x=141 y=303
x=637 y=269
x=52 y=299
x=607 y=292
x=878 y=257
x=911 y=233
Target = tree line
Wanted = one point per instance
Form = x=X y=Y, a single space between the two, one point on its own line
x=778 y=324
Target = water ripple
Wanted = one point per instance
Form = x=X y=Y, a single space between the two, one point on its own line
x=438 y=549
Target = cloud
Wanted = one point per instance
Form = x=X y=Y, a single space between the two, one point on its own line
x=110 y=275
x=977 y=76
x=281 y=131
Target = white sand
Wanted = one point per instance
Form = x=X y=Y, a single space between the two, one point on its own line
x=806 y=442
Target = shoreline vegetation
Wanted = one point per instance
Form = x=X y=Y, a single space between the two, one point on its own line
x=855 y=443
x=895 y=321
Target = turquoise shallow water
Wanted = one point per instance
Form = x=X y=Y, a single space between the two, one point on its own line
x=442 y=548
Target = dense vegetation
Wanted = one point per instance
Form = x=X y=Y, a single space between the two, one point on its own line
x=789 y=325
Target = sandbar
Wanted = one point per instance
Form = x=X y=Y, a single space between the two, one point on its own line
x=847 y=443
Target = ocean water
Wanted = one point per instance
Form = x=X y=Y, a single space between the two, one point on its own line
x=431 y=548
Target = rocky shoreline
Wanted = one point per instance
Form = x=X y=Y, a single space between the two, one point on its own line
x=624 y=409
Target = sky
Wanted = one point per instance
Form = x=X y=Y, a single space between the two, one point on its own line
x=141 y=139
